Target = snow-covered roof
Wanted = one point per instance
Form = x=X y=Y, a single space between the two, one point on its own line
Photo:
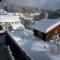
x=46 y=25
x=9 y=18
x=17 y=26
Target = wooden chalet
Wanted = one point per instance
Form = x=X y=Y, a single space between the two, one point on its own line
x=46 y=28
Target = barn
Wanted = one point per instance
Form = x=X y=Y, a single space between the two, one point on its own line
x=46 y=28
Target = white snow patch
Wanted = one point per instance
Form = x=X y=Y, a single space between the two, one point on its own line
x=40 y=46
x=17 y=26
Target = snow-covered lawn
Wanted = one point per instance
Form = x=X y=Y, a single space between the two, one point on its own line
x=34 y=47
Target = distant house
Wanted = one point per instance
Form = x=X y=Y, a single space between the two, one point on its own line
x=46 y=28
x=7 y=18
x=18 y=26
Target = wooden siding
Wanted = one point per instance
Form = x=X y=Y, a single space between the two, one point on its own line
x=47 y=36
x=42 y=35
x=39 y=34
x=50 y=33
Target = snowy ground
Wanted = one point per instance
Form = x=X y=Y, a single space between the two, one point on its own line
x=33 y=46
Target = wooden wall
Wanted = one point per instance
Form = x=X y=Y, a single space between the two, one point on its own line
x=42 y=35
x=39 y=34
x=50 y=33
x=47 y=36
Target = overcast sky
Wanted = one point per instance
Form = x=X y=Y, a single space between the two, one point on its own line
x=46 y=4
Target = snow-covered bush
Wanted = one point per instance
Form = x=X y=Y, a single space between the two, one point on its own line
x=55 y=44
